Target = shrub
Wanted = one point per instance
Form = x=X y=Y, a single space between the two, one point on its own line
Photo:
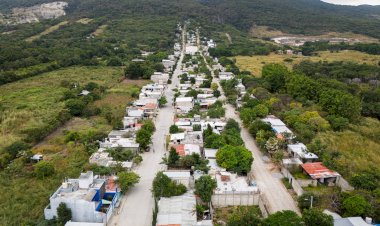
x=163 y=186
x=126 y=180
x=44 y=169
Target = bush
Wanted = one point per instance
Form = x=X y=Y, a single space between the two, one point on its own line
x=174 y=129
x=204 y=187
x=64 y=214
x=315 y=217
x=355 y=205
x=126 y=180
x=44 y=169
x=163 y=186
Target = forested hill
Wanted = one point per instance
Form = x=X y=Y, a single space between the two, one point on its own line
x=290 y=16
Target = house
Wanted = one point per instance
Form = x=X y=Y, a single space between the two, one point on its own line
x=168 y=64
x=210 y=153
x=177 y=210
x=179 y=176
x=184 y=104
x=103 y=158
x=279 y=127
x=299 y=150
x=135 y=112
x=142 y=102
x=317 y=171
x=191 y=49
x=90 y=198
x=226 y=76
x=153 y=88
x=188 y=149
x=129 y=122
x=118 y=133
x=206 y=103
x=160 y=78
x=177 y=137
x=351 y=221
x=233 y=190
x=211 y=44
x=125 y=143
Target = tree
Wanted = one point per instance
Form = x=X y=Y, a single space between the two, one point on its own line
x=163 y=186
x=237 y=159
x=127 y=179
x=340 y=103
x=214 y=86
x=162 y=101
x=244 y=215
x=304 y=201
x=283 y=218
x=204 y=187
x=355 y=205
x=143 y=137
x=64 y=214
x=274 y=75
x=261 y=110
x=173 y=157
x=315 y=217
x=197 y=127
x=272 y=145
x=365 y=181
x=232 y=124
x=44 y=169
x=75 y=106
x=174 y=129
x=247 y=115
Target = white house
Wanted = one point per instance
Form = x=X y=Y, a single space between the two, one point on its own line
x=278 y=126
x=90 y=198
x=160 y=78
x=226 y=76
x=300 y=151
x=177 y=210
x=135 y=112
x=184 y=104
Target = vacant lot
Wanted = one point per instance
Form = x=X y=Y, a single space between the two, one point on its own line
x=36 y=102
x=255 y=64
x=358 y=148
x=47 y=31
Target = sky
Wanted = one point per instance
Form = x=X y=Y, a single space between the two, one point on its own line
x=353 y=2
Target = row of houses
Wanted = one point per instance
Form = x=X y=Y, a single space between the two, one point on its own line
x=231 y=189
x=92 y=198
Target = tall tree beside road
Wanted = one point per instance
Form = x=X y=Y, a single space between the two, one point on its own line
x=204 y=187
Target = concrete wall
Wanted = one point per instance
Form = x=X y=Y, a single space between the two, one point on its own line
x=295 y=185
x=263 y=203
x=235 y=199
x=82 y=211
x=342 y=183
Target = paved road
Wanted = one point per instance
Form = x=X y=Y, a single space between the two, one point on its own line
x=137 y=205
x=273 y=190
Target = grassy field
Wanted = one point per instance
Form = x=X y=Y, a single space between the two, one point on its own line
x=35 y=102
x=359 y=147
x=255 y=64
x=47 y=31
x=100 y=30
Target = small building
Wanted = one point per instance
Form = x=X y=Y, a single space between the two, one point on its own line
x=210 y=153
x=179 y=176
x=317 y=171
x=177 y=137
x=136 y=112
x=299 y=150
x=351 y=221
x=279 y=127
x=184 y=104
x=160 y=78
x=177 y=210
x=234 y=190
x=90 y=198
x=188 y=149
x=118 y=134
x=84 y=93
x=125 y=143
x=223 y=76
x=130 y=122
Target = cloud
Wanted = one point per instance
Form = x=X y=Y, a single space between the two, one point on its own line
x=353 y=2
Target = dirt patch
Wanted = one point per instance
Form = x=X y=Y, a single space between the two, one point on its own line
x=100 y=30
x=84 y=20
x=47 y=31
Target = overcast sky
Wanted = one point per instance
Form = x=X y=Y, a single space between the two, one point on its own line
x=354 y=2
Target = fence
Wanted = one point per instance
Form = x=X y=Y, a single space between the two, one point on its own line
x=235 y=199
x=263 y=205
